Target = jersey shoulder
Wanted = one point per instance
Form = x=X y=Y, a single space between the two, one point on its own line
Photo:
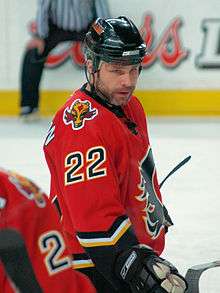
x=79 y=110
x=136 y=105
x=135 y=109
x=83 y=116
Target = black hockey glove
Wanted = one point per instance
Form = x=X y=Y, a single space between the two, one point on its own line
x=145 y=272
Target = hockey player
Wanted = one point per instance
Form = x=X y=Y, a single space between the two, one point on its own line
x=29 y=224
x=103 y=173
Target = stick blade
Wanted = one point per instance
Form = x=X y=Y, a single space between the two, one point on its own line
x=194 y=273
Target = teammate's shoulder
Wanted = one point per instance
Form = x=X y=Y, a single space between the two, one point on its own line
x=17 y=187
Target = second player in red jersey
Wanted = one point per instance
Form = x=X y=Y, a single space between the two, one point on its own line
x=27 y=210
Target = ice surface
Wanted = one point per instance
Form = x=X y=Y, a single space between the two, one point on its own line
x=192 y=195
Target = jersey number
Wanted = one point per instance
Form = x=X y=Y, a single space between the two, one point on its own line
x=53 y=245
x=75 y=161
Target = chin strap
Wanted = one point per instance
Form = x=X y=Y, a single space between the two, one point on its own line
x=95 y=91
x=92 y=87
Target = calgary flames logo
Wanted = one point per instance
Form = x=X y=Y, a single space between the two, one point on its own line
x=154 y=217
x=29 y=189
x=78 y=112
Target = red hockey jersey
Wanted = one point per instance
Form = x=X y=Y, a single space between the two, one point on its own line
x=103 y=174
x=25 y=208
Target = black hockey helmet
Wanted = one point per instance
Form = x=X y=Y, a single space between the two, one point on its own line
x=114 y=40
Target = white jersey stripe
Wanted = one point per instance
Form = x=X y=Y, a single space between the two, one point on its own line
x=106 y=240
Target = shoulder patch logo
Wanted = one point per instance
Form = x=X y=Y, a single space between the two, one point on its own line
x=78 y=112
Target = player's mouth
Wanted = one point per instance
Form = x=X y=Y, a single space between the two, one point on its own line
x=124 y=93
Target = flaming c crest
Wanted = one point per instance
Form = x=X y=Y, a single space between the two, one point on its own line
x=153 y=212
x=78 y=112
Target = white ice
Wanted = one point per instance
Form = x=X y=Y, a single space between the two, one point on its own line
x=192 y=195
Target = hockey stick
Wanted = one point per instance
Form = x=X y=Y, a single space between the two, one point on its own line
x=177 y=167
x=194 y=273
x=14 y=256
x=183 y=162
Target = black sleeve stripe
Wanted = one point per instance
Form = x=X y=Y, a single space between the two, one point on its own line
x=105 y=239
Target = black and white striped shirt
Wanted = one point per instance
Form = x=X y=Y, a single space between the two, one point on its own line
x=73 y=15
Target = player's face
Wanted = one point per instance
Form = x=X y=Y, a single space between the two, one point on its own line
x=117 y=82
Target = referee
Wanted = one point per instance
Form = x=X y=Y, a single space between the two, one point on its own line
x=57 y=21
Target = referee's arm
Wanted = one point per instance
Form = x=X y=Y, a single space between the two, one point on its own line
x=102 y=8
x=43 y=18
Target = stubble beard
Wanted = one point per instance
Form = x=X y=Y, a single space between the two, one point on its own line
x=100 y=89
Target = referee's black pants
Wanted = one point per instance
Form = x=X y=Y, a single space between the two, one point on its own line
x=33 y=64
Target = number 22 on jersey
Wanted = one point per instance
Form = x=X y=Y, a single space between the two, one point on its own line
x=92 y=162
